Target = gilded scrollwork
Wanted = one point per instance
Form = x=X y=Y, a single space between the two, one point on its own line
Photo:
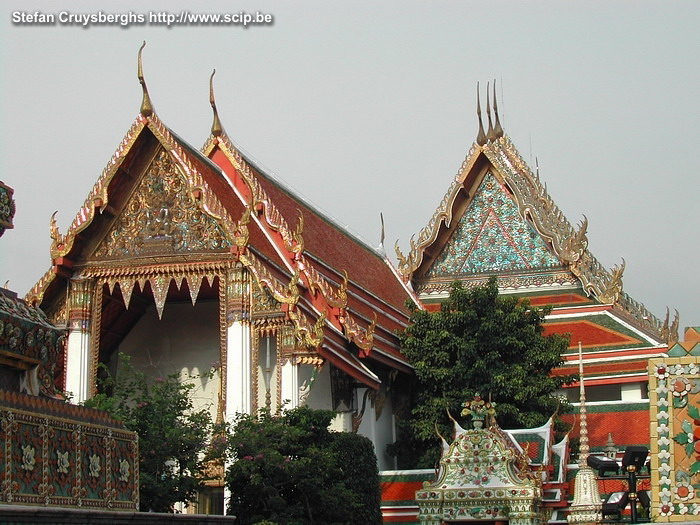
x=98 y=194
x=162 y=216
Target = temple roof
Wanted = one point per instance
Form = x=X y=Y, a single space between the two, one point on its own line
x=344 y=298
x=497 y=218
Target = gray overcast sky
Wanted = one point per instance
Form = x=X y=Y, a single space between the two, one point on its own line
x=364 y=107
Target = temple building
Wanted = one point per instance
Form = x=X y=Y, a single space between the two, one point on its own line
x=497 y=219
x=197 y=261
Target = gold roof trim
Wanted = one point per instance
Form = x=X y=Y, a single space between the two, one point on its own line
x=98 y=197
x=534 y=202
x=293 y=239
x=336 y=296
x=443 y=213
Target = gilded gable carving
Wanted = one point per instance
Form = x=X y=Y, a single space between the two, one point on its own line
x=162 y=217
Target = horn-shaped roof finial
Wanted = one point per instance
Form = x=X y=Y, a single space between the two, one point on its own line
x=481 y=136
x=216 y=127
x=497 y=129
x=489 y=133
x=146 y=106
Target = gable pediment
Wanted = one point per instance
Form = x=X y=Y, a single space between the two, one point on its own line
x=492 y=236
x=161 y=217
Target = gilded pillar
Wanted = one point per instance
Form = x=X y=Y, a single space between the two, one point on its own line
x=236 y=342
x=78 y=359
x=291 y=391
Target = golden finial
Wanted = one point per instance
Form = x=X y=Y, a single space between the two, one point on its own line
x=381 y=235
x=489 y=133
x=481 y=136
x=497 y=129
x=216 y=127
x=146 y=106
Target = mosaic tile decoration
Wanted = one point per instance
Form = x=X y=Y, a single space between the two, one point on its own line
x=492 y=236
x=52 y=461
x=674 y=394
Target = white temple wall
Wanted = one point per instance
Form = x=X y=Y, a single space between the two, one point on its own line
x=185 y=341
x=320 y=396
x=379 y=431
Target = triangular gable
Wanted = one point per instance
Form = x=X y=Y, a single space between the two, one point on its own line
x=558 y=256
x=161 y=217
x=492 y=236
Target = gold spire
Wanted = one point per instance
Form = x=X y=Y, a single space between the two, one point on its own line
x=497 y=129
x=146 y=106
x=481 y=136
x=216 y=127
x=584 y=449
x=586 y=507
x=489 y=133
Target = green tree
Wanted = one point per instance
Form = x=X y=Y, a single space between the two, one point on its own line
x=289 y=469
x=172 y=435
x=479 y=342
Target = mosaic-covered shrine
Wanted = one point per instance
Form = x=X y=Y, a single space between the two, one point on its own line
x=674 y=391
x=52 y=453
x=488 y=474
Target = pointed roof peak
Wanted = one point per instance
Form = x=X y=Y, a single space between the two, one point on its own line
x=497 y=129
x=490 y=135
x=146 y=105
x=216 y=128
x=481 y=136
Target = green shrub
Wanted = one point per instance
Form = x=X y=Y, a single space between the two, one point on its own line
x=289 y=469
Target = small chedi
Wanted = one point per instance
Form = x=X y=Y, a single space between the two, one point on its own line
x=53 y=453
x=487 y=473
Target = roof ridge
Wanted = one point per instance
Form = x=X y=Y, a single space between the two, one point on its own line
x=569 y=244
x=284 y=186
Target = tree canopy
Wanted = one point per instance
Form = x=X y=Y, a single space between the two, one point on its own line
x=172 y=435
x=289 y=469
x=484 y=343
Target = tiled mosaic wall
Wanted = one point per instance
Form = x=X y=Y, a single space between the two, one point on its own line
x=674 y=392
x=52 y=461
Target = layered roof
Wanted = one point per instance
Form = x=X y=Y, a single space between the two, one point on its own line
x=497 y=218
x=343 y=298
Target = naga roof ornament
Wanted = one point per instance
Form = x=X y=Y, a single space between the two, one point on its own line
x=216 y=127
x=481 y=136
x=332 y=298
x=146 y=105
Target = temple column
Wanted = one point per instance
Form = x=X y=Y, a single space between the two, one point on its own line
x=234 y=320
x=238 y=378
x=78 y=358
x=290 y=383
